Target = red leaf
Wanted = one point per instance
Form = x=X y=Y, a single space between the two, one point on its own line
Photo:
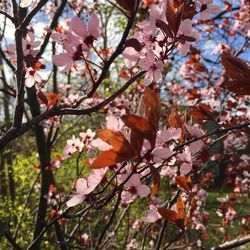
x=139 y=125
x=53 y=99
x=156 y=180
x=168 y=214
x=183 y=38
x=134 y=43
x=115 y=139
x=108 y=158
x=42 y=97
x=122 y=149
x=164 y=27
x=184 y=182
x=174 y=16
x=235 y=67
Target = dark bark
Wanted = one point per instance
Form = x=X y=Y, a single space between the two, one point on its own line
x=44 y=157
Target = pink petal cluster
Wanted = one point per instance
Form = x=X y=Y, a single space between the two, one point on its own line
x=133 y=187
x=76 y=42
x=85 y=186
x=208 y=8
x=155 y=44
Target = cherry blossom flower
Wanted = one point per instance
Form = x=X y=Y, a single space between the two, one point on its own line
x=186 y=30
x=160 y=154
x=187 y=164
x=114 y=123
x=87 y=136
x=100 y=144
x=29 y=45
x=86 y=34
x=83 y=238
x=134 y=186
x=32 y=77
x=131 y=57
x=27 y=3
x=167 y=135
x=73 y=145
x=86 y=186
x=230 y=214
x=243 y=18
x=208 y=8
x=153 y=68
x=152 y=215
x=195 y=133
x=75 y=42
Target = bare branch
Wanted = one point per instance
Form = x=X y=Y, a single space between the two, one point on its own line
x=7 y=15
x=33 y=12
x=233 y=243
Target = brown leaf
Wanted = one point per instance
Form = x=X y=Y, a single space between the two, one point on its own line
x=180 y=207
x=184 y=182
x=174 y=16
x=151 y=107
x=235 y=67
x=183 y=38
x=42 y=97
x=108 y=158
x=164 y=27
x=139 y=125
x=134 y=43
x=156 y=180
x=117 y=141
x=172 y=216
x=174 y=119
x=239 y=87
x=53 y=99
x=128 y=5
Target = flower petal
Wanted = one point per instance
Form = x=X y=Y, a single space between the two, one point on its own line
x=75 y=200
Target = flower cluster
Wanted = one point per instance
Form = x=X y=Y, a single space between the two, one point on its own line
x=76 y=42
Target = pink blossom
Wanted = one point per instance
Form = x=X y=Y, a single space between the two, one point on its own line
x=73 y=145
x=114 y=123
x=153 y=68
x=186 y=30
x=29 y=45
x=167 y=135
x=100 y=144
x=86 y=186
x=187 y=164
x=195 y=133
x=208 y=8
x=230 y=214
x=63 y=60
x=32 y=77
x=135 y=188
x=160 y=154
x=131 y=57
x=27 y=3
x=87 y=34
x=87 y=136
x=75 y=42
x=152 y=215
x=243 y=19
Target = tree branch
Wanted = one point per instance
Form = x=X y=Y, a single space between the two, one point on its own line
x=14 y=133
x=12 y=241
x=33 y=12
x=7 y=15
x=233 y=243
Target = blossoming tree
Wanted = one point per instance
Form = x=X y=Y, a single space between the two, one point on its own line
x=168 y=83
